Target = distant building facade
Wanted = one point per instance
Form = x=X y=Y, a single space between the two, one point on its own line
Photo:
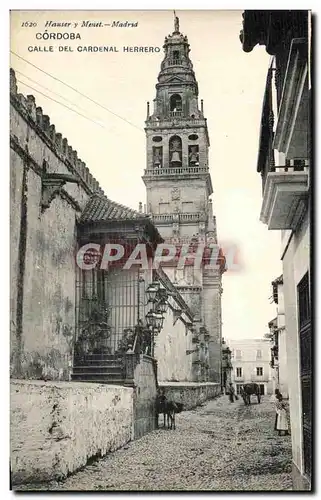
x=284 y=162
x=251 y=363
x=278 y=340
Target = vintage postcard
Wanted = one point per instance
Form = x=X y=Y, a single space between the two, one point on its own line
x=160 y=205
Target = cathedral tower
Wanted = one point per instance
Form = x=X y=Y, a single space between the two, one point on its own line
x=178 y=185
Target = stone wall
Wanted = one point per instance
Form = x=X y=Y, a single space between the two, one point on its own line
x=144 y=396
x=189 y=393
x=57 y=426
x=43 y=242
x=193 y=195
x=211 y=295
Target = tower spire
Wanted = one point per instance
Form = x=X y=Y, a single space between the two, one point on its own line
x=176 y=23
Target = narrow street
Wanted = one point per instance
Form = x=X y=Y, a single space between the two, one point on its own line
x=219 y=446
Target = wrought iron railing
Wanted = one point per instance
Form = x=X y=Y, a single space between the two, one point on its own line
x=290 y=169
x=107 y=305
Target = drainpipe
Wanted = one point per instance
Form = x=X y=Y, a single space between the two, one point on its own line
x=21 y=264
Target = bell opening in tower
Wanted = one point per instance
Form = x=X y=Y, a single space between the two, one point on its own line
x=176 y=57
x=175 y=105
x=157 y=156
x=193 y=156
x=175 y=148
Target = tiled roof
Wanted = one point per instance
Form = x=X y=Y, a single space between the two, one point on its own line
x=100 y=208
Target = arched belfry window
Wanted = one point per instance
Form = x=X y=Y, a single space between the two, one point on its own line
x=176 y=57
x=193 y=155
x=175 y=104
x=157 y=156
x=175 y=151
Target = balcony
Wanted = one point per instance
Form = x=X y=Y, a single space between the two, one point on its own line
x=157 y=172
x=169 y=121
x=260 y=378
x=284 y=197
x=182 y=217
x=174 y=62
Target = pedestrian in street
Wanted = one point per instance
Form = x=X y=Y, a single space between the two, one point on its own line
x=282 y=421
x=275 y=400
x=231 y=392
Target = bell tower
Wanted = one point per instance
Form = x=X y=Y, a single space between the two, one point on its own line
x=178 y=183
x=177 y=176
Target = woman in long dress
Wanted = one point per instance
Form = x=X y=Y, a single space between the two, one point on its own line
x=282 y=421
x=274 y=400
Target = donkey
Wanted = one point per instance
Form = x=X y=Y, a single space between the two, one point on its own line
x=247 y=390
x=172 y=407
x=168 y=408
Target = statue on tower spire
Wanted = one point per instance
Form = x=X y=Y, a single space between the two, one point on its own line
x=176 y=23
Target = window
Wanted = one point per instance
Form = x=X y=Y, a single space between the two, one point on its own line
x=188 y=207
x=164 y=208
x=158 y=156
x=304 y=302
x=238 y=354
x=175 y=103
x=193 y=156
x=238 y=389
x=259 y=371
x=176 y=57
x=239 y=372
x=259 y=354
x=175 y=151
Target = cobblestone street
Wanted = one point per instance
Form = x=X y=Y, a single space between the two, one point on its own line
x=219 y=446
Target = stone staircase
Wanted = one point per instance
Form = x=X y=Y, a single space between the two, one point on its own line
x=99 y=368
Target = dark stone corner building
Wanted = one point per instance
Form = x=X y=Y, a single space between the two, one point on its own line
x=89 y=346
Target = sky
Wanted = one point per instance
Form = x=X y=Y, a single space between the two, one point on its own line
x=231 y=84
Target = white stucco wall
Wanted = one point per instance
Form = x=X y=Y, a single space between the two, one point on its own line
x=55 y=427
x=295 y=265
x=170 y=351
x=282 y=356
x=283 y=366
